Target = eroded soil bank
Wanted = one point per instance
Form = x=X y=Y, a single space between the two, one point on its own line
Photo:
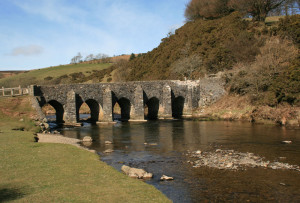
x=238 y=108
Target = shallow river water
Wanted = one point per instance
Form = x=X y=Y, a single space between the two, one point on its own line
x=161 y=147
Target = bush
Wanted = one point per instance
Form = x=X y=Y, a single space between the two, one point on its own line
x=290 y=27
x=274 y=76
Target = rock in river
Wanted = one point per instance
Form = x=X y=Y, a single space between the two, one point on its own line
x=136 y=173
x=87 y=139
x=164 y=177
x=108 y=151
x=108 y=142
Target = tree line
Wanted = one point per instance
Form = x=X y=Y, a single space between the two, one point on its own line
x=257 y=9
x=79 y=58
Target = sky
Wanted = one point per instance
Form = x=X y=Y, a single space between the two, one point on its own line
x=43 y=33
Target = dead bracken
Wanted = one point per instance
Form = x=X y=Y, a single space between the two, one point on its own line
x=232 y=160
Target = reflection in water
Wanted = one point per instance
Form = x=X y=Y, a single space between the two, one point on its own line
x=160 y=147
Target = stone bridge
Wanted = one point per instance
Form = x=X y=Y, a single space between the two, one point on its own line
x=161 y=99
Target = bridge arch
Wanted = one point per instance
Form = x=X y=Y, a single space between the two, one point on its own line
x=177 y=106
x=95 y=109
x=125 y=108
x=151 y=108
x=59 y=110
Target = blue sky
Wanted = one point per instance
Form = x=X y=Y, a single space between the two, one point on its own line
x=42 y=33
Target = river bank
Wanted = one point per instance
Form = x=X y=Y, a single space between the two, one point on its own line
x=238 y=108
x=35 y=172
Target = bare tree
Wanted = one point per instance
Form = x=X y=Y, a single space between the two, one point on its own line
x=76 y=59
x=206 y=9
x=101 y=56
x=258 y=9
x=89 y=57
x=186 y=66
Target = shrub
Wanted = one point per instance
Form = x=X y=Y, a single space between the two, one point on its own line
x=290 y=27
x=48 y=78
x=273 y=77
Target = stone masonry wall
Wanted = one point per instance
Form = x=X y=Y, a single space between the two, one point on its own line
x=193 y=94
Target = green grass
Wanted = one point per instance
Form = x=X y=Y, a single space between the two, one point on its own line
x=35 y=76
x=34 y=172
x=40 y=172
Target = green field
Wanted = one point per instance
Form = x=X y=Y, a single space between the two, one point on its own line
x=38 y=76
x=39 y=172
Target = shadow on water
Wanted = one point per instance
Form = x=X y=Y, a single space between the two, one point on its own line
x=160 y=147
x=10 y=194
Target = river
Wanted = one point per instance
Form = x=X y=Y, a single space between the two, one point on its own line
x=161 y=147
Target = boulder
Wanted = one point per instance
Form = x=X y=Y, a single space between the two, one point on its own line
x=47 y=126
x=136 y=173
x=164 y=177
x=108 y=151
x=198 y=152
x=87 y=139
x=108 y=142
x=87 y=144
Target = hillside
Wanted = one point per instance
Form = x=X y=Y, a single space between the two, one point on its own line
x=204 y=47
x=6 y=74
x=256 y=59
x=64 y=74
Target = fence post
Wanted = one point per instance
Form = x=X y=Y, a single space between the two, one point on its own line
x=3 y=91
x=20 y=90
x=12 y=92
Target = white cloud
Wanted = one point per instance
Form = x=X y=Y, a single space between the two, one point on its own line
x=29 y=50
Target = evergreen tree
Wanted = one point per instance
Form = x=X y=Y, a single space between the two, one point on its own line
x=132 y=56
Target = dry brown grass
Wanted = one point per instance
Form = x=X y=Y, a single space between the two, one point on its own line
x=230 y=107
x=235 y=107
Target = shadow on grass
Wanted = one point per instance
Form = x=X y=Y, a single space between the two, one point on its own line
x=9 y=194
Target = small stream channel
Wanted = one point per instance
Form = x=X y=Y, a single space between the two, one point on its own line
x=161 y=147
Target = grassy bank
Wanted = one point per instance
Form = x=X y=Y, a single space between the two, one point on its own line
x=38 y=172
